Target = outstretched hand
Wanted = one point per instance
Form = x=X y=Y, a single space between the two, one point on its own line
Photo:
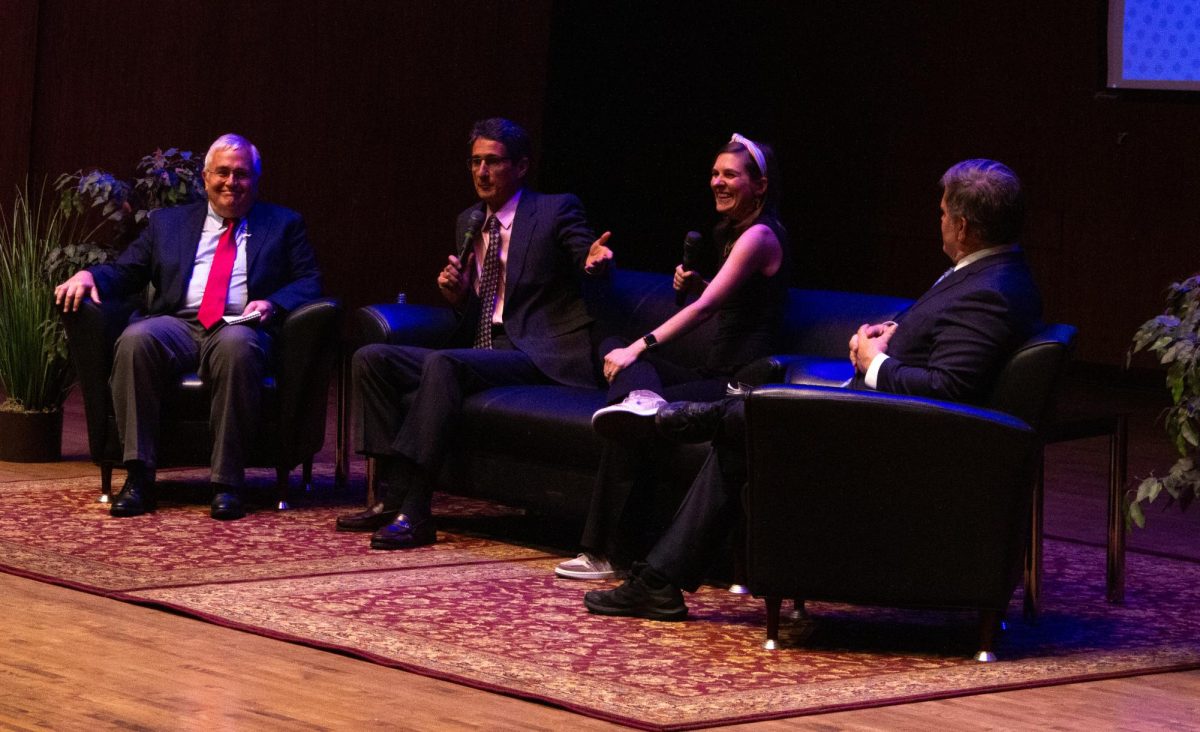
x=599 y=257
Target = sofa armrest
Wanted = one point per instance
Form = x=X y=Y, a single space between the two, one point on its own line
x=404 y=324
x=92 y=332
x=307 y=349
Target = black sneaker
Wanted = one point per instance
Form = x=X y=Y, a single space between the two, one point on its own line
x=636 y=599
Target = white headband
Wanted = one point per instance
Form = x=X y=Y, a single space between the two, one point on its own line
x=755 y=153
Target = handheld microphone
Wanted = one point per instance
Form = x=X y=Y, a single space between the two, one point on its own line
x=474 y=224
x=691 y=255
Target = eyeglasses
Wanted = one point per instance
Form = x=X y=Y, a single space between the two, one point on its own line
x=238 y=174
x=492 y=161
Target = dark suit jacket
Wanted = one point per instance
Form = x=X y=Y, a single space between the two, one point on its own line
x=544 y=313
x=952 y=342
x=280 y=264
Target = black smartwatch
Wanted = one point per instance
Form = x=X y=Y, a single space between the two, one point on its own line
x=650 y=341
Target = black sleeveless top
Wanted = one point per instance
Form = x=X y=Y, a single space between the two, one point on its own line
x=750 y=322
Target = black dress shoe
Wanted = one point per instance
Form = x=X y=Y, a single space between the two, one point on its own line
x=637 y=598
x=226 y=506
x=373 y=518
x=690 y=422
x=136 y=497
x=404 y=533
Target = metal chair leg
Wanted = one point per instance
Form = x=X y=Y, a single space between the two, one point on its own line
x=307 y=475
x=1033 y=554
x=989 y=620
x=773 y=606
x=106 y=470
x=372 y=482
x=341 y=453
x=1118 y=444
x=281 y=486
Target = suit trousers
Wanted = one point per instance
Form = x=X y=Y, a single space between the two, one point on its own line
x=435 y=383
x=712 y=508
x=232 y=360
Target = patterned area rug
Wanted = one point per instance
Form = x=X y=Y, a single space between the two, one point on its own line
x=492 y=615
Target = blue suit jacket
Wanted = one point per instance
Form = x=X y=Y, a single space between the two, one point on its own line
x=544 y=313
x=953 y=340
x=280 y=264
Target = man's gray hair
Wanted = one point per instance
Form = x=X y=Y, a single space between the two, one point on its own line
x=231 y=141
x=987 y=194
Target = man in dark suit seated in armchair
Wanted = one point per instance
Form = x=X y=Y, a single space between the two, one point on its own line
x=228 y=257
x=949 y=345
x=521 y=321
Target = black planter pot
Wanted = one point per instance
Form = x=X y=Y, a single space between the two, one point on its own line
x=31 y=437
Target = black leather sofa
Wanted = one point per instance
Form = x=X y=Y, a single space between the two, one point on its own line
x=534 y=447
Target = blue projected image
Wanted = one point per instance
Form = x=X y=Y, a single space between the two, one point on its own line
x=1162 y=39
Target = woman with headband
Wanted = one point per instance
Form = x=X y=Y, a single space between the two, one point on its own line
x=747 y=295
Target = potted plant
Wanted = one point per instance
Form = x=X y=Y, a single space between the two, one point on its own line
x=44 y=242
x=37 y=243
x=1174 y=337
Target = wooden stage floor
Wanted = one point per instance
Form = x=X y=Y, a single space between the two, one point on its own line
x=70 y=660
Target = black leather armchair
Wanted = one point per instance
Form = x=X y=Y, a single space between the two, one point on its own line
x=879 y=499
x=297 y=393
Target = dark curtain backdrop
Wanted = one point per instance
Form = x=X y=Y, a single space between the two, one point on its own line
x=867 y=104
x=361 y=111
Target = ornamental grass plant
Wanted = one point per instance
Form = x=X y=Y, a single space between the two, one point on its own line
x=39 y=242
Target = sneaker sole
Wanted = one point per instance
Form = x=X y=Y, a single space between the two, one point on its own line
x=584 y=574
x=644 y=614
x=623 y=424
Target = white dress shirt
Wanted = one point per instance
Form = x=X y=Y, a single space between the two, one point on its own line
x=214 y=227
x=505 y=215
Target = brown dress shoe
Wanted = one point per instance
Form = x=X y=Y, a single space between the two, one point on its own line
x=404 y=533
x=375 y=517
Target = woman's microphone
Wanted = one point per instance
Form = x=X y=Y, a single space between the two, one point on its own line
x=691 y=253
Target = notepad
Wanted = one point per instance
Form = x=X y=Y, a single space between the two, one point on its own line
x=239 y=319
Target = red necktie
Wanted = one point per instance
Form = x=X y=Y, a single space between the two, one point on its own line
x=216 y=290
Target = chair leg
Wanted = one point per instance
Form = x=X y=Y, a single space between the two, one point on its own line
x=372 y=482
x=281 y=487
x=106 y=470
x=773 y=606
x=989 y=620
x=1118 y=446
x=1033 y=555
x=739 y=560
x=341 y=454
x=798 y=612
x=307 y=475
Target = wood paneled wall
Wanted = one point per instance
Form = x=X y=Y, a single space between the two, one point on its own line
x=361 y=110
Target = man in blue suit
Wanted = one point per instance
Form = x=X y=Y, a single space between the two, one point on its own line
x=949 y=345
x=209 y=262
x=521 y=321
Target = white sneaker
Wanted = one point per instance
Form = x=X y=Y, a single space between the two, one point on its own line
x=585 y=566
x=632 y=419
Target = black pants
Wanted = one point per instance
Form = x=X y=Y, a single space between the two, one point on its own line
x=621 y=522
x=435 y=383
x=710 y=511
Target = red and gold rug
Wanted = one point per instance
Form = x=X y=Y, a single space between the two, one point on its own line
x=481 y=612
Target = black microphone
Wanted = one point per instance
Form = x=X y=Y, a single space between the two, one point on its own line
x=691 y=253
x=474 y=224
